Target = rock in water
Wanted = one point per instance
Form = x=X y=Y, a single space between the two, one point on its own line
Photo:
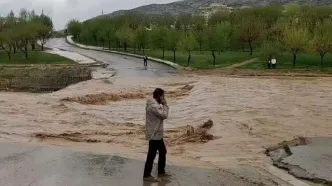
x=207 y=125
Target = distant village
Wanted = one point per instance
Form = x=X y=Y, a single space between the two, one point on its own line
x=207 y=11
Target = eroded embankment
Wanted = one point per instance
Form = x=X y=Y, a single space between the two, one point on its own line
x=305 y=158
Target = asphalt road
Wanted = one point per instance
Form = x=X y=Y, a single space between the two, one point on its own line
x=312 y=161
x=124 y=66
x=28 y=165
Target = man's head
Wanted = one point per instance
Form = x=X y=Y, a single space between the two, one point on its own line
x=158 y=93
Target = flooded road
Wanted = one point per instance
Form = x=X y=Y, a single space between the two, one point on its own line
x=249 y=114
x=124 y=66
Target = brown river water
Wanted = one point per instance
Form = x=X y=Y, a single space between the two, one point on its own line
x=249 y=114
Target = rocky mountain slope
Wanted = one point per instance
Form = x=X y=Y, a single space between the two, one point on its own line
x=192 y=6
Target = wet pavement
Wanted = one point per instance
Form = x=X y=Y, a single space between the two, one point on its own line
x=78 y=58
x=123 y=65
x=312 y=161
x=27 y=165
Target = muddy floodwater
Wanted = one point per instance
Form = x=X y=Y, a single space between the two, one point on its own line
x=249 y=114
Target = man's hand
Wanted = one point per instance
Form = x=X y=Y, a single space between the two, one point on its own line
x=163 y=101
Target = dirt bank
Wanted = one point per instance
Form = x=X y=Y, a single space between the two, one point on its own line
x=248 y=114
x=39 y=78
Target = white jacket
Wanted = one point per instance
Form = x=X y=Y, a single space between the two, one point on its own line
x=155 y=116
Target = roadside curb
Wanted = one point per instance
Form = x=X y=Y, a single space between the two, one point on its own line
x=285 y=176
x=46 y=49
x=168 y=63
x=48 y=65
x=95 y=64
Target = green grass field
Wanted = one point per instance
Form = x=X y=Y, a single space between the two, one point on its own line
x=34 y=57
x=304 y=62
x=202 y=59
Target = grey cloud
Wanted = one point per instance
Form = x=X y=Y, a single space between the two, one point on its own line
x=62 y=11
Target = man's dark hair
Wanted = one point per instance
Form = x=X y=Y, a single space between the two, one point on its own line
x=158 y=93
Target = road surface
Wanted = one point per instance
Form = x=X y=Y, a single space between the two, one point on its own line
x=28 y=165
x=312 y=161
x=123 y=65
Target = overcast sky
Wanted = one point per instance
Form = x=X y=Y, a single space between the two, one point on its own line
x=63 y=10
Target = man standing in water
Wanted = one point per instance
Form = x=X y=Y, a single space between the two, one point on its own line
x=156 y=112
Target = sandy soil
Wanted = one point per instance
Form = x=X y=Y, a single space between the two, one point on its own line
x=248 y=113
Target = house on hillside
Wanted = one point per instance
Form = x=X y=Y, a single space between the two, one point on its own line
x=207 y=11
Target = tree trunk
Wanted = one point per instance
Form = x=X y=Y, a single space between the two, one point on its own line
x=42 y=47
x=214 y=58
x=134 y=49
x=109 y=45
x=8 y=54
x=125 y=46
x=33 y=46
x=7 y=51
x=14 y=47
x=322 y=59
x=163 y=52
x=95 y=40
x=200 y=47
x=250 y=46
x=294 y=59
x=26 y=52
x=189 y=58
x=174 y=56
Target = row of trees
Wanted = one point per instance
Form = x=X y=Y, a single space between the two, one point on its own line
x=19 y=33
x=294 y=29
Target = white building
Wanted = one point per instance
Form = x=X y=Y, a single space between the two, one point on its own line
x=213 y=8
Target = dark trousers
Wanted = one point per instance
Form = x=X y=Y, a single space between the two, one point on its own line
x=154 y=146
x=145 y=63
x=274 y=66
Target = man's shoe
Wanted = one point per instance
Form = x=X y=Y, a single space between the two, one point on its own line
x=150 y=179
x=164 y=175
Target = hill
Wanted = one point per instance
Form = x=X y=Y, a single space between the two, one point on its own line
x=192 y=6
